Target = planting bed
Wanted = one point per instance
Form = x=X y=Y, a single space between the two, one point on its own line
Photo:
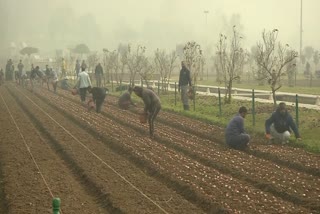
x=106 y=163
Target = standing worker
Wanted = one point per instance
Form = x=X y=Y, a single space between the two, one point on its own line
x=98 y=73
x=83 y=82
x=184 y=81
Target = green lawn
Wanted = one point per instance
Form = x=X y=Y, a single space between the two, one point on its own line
x=207 y=110
x=306 y=89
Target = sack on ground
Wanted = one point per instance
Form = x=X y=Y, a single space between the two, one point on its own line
x=143 y=117
x=74 y=91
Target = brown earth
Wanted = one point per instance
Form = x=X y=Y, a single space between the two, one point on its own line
x=106 y=163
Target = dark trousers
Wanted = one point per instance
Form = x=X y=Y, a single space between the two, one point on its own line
x=151 y=117
x=238 y=142
x=99 y=101
x=83 y=94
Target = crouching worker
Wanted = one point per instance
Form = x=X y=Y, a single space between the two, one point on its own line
x=125 y=99
x=279 y=125
x=98 y=96
x=236 y=137
x=152 y=105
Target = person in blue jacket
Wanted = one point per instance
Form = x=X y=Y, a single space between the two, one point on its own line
x=235 y=135
x=279 y=126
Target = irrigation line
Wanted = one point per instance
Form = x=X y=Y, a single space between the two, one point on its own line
x=95 y=155
x=28 y=149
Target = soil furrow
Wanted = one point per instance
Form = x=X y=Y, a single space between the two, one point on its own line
x=148 y=145
x=73 y=150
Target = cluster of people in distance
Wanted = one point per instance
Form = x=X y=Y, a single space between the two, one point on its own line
x=277 y=127
x=152 y=104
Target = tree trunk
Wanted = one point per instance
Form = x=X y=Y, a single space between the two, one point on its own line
x=274 y=97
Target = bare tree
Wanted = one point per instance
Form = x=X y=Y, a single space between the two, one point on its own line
x=93 y=59
x=164 y=64
x=147 y=71
x=272 y=57
x=193 y=56
x=107 y=62
x=231 y=57
x=135 y=61
x=291 y=70
x=123 y=61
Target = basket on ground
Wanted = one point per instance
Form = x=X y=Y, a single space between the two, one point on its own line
x=143 y=117
x=74 y=91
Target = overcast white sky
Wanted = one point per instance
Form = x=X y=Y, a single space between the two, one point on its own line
x=163 y=23
x=255 y=16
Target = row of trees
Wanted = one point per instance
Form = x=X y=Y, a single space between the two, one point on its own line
x=272 y=60
x=269 y=59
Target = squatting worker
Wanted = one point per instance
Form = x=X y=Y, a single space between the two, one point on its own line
x=125 y=100
x=235 y=135
x=279 y=125
x=152 y=105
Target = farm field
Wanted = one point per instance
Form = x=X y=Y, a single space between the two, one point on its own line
x=51 y=146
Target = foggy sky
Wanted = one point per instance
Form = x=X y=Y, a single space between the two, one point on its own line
x=157 y=23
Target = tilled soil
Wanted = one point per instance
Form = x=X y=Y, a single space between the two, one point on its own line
x=114 y=167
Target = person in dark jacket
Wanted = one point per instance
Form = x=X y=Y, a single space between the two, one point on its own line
x=152 y=105
x=125 y=101
x=1 y=76
x=99 y=74
x=280 y=124
x=98 y=96
x=184 y=81
x=77 y=67
x=236 y=137
x=35 y=72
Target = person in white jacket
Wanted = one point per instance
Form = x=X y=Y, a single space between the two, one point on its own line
x=83 y=82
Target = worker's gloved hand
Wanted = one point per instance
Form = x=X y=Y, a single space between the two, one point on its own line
x=268 y=136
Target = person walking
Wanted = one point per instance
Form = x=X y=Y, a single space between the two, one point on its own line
x=77 y=67
x=279 y=126
x=20 y=73
x=98 y=74
x=152 y=105
x=235 y=134
x=83 y=82
x=184 y=84
x=83 y=65
x=54 y=79
x=1 y=76
x=63 y=68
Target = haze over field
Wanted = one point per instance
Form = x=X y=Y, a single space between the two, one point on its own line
x=58 y=24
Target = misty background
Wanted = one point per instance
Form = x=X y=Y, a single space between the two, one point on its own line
x=50 y=25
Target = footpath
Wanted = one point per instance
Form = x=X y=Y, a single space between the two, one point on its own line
x=246 y=94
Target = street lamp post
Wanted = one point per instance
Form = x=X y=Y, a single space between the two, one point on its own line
x=300 y=52
x=206 y=15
